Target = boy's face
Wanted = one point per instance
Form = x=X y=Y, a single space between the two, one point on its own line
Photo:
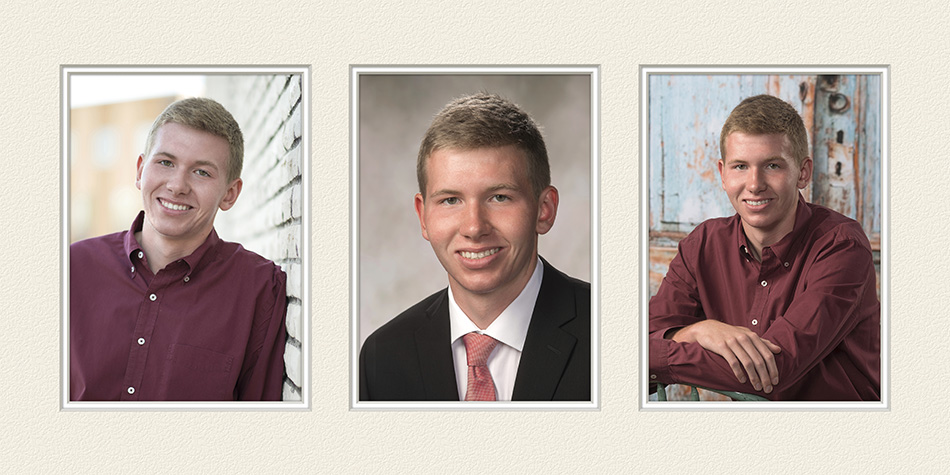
x=184 y=183
x=482 y=219
x=762 y=179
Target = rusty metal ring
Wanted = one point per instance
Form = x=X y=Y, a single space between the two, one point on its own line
x=838 y=103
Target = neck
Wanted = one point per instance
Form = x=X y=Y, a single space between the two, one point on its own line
x=484 y=309
x=481 y=315
x=160 y=251
x=755 y=246
x=762 y=238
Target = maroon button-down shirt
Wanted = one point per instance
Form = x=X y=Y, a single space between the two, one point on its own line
x=813 y=294
x=208 y=327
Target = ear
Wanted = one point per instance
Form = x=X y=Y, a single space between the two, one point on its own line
x=138 y=171
x=231 y=195
x=804 y=175
x=547 y=209
x=722 y=179
x=420 y=205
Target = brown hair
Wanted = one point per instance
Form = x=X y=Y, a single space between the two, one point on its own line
x=209 y=116
x=486 y=120
x=764 y=114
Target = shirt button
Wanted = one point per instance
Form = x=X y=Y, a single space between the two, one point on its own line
x=764 y=283
x=141 y=254
x=187 y=278
x=133 y=268
x=141 y=341
x=755 y=322
x=153 y=297
x=131 y=390
x=652 y=376
x=786 y=264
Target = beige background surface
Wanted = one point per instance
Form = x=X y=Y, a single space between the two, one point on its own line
x=38 y=38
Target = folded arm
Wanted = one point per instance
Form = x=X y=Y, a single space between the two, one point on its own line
x=685 y=347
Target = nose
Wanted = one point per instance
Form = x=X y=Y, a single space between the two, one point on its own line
x=177 y=182
x=756 y=181
x=475 y=223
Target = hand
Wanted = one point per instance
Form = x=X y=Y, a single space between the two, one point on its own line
x=745 y=351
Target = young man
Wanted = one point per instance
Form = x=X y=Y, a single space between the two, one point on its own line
x=166 y=310
x=509 y=326
x=780 y=299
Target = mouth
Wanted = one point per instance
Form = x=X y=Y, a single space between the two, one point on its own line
x=173 y=206
x=757 y=202
x=480 y=254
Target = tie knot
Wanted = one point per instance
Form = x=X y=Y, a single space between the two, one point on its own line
x=478 y=347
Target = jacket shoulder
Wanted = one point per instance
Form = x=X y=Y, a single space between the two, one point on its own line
x=410 y=319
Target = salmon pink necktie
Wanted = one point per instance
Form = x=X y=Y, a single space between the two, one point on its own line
x=480 y=385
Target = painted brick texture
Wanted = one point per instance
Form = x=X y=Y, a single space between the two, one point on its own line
x=267 y=217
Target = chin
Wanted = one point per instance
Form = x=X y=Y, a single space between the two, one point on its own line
x=476 y=286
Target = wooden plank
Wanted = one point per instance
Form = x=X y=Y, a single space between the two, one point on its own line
x=868 y=98
x=835 y=155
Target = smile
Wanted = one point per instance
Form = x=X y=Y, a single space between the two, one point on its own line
x=173 y=206
x=478 y=255
x=757 y=203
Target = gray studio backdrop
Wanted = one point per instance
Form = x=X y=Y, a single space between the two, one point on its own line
x=397 y=267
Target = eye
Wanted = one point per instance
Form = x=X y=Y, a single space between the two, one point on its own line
x=774 y=166
x=449 y=201
x=500 y=198
x=739 y=166
x=165 y=163
x=203 y=173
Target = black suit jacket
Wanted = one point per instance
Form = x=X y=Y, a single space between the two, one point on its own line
x=410 y=357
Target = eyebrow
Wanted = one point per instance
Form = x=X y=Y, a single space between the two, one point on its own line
x=767 y=159
x=493 y=188
x=201 y=163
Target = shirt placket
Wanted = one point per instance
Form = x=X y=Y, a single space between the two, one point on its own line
x=765 y=281
x=141 y=338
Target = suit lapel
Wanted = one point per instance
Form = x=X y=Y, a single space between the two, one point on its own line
x=435 y=353
x=547 y=348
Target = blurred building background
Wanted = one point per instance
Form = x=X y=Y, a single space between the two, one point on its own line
x=105 y=140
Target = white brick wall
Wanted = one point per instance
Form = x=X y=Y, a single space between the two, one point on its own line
x=267 y=216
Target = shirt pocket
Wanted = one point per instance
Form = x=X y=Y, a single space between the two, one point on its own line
x=192 y=373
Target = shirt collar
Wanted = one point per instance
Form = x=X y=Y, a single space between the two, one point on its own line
x=132 y=245
x=786 y=246
x=782 y=249
x=511 y=326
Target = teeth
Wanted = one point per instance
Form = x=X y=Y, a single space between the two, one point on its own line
x=757 y=203
x=478 y=255
x=173 y=206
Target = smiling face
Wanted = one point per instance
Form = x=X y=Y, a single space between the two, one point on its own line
x=482 y=219
x=184 y=183
x=762 y=179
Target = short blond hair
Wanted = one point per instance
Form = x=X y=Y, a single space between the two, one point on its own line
x=209 y=116
x=765 y=114
x=486 y=120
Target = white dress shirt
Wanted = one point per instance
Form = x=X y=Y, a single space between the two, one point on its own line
x=510 y=329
